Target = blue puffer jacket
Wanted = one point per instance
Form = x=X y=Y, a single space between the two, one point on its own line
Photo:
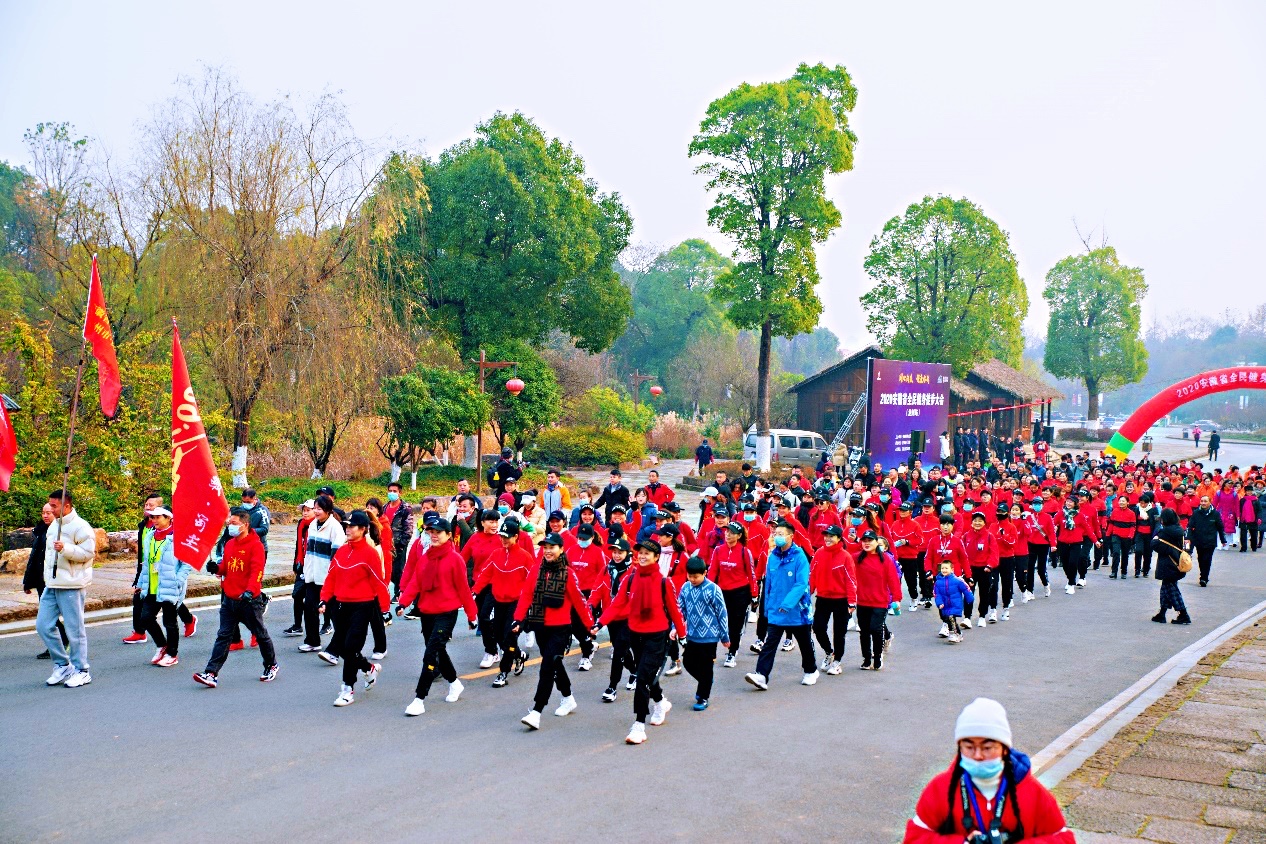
x=787 y=587
x=952 y=594
x=173 y=575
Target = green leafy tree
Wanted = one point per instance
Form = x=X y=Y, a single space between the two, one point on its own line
x=947 y=289
x=603 y=409
x=808 y=354
x=1093 y=332
x=516 y=420
x=424 y=409
x=768 y=149
x=519 y=242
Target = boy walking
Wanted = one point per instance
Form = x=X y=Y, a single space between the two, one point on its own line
x=703 y=606
x=953 y=595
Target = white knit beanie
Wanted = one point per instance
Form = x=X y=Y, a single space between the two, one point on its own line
x=983 y=718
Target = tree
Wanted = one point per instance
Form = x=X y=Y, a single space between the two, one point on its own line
x=519 y=242
x=516 y=420
x=1093 y=332
x=808 y=354
x=768 y=149
x=947 y=289
x=424 y=409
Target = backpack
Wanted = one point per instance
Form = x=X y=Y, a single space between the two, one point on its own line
x=1184 y=559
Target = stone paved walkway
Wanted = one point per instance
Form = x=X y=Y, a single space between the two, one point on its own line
x=1192 y=768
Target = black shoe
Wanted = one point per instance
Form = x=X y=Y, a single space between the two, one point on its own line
x=293 y=630
x=879 y=664
x=1112 y=577
x=45 y=655
x=325 y=629
x=413 y=612
x=1182 y=618
x=519 y=659
x=755 y=647
x=1136 y=575
x=500 y=681
x=1204 y=583
x=1159 y=617
x=866 y=665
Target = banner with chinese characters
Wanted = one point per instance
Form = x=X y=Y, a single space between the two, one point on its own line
x=904 y=397
x=197 y=497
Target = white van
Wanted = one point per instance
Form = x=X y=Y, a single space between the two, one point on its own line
x=787 y=446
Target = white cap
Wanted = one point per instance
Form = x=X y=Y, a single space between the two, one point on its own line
x=710 y=492
x=309 y=504
x=983 y=718
x=528 y=499
x=161 y=511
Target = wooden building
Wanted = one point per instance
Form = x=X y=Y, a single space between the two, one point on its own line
x=823 y=401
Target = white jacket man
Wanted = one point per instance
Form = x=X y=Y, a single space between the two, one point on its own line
x=68 y=555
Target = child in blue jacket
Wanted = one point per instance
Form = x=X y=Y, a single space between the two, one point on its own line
x=703 y=607
x=952 y=595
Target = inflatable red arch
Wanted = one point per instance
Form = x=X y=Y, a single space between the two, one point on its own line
x=1195 y=387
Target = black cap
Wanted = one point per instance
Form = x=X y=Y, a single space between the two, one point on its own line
x=735 y=527
x=833 y=530
x=619 y=542
x=357 y=518
x=781 y=523
x=509 y=529
x=854 y=500
x=748 y=505
x=326 y=490
x=619 y=508
x=584 y=532
x=551 y=538
x=489 y=516
x=557 y=514
x=586 y=506
x=1004 y=509
x=906 y=506
x=439 y=523
x=650 y=545
x=668 y=530
x=928 y=502
x=869 y=535
x=696 y=565
x=672 y=507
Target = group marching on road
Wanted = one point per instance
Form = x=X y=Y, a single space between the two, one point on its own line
x=816 y=555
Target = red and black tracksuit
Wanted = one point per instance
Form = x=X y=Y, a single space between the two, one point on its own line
x=356 y=580
x=907 y=546
x=242 y=570
x=833 y=582
x=648 y=602
x=437 y=579
x=733 y=569
x=982 y=555
x=553 y=633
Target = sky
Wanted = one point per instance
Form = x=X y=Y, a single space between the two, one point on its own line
x=1139 y=119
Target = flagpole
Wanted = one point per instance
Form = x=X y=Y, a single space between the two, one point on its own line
x=70 y=439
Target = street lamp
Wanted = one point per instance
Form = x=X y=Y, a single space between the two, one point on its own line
x=638 y=379
x=514 y=385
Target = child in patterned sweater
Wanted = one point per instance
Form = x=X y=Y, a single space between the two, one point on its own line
x=707 y=623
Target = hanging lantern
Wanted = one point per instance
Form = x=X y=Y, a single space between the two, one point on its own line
x=657 y=390
x=515 y=386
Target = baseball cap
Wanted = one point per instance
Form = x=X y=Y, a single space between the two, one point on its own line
x=357 y=518
x=551 y=538
x=509 y=529
x=439 y=523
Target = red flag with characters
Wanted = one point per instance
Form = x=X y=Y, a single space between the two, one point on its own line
x=97 y=332
x=196 y=494
x=8 y=449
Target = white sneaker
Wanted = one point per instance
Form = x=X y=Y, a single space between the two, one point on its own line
x=955 y=638
x=532 y=720
x=567 y=707
x=1070 y=590
x=454 y=691
x=345 y=697
x=168 y=661
x=1006 y=615
x=835 y=669
x=379 y=655
x=966 y=625
x=60 y=675
x=914 y=606
x=585 y=663
x=788 y=644
x=371 y=676
x=79 y=678
x=852 y=625
x=1081 y=581
x=631 y=685
x=730 y=661
x=674 y=668
x=637 y=734
x=809 y=679
x=1048 y=591
x=993 y=616
x=943 y=632
x=530 y=641
x=826 y=662
x=488 y=661
x=159 y=653
x=757 y=680
x=659 y=711
x=327 y=657
x=417 y=707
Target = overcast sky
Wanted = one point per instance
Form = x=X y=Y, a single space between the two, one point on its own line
x=1142 y=117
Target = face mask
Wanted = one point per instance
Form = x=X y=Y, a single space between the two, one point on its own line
x=968 y=507
x=780 y=540
x=584 y=499
x=250 y=506
x=584 y=543
x=885 y=497
x=502 y=509
x=749 y=517
x=985 y=770
x=234 y=530
x=393 y=496
x=855 y=520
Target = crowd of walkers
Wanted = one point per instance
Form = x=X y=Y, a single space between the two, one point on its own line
x=815 y=555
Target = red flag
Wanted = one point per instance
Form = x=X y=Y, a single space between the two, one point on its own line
x=8 y=449
x=196 y=495
x=97 y=332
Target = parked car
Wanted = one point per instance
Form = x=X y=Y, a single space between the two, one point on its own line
x=787 y=445
x=1205 y=424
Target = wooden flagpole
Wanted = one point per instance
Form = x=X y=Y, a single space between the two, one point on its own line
x=70 y=439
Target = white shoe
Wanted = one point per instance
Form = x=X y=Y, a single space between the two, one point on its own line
x=1006 y=615
x=788 y=644
x=955 y=638
x=914 y=606
x=567 y=707
x=674 y=668
x=1070 y=590
x=585 y=663
x=853 y=626
x=631 y=685
x=1048 y=591
x=345 y=697
x=966 y=625
x=79 y=678
x=835 y=669
x=159 y=653
x=168 y=661
x=826 y=662
x=488 y=661
x=60 y=675
x=532 y=720
x=993 y=616
x=327 y=658
x=454 y=691
x=637 y=734
x=530 y=641
x=378 y=655
x=1010 y=604
x=659 y=711
x=809 y=679
x=943 y=632
x=417 y=707
x=757 y=680
x=730 y=661
x=371 y=676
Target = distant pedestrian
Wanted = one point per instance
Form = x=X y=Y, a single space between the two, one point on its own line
x=69 y=551
x=1215 y=442
x=703 y=456
x=1204 y=531
x=1168 y=545
x=1195 y=435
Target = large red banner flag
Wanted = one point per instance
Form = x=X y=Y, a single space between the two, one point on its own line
x=8 y=449
x=97 y=332
x=196 y=494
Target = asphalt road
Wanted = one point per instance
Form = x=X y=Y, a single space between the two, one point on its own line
x=144 y=754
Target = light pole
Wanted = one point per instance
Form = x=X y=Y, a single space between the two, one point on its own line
x=638 y=379
x=512 y=386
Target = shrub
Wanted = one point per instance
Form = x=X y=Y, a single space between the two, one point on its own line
x=673 y=436
x=1084 y=435
x=604 y=409
x=586 y=446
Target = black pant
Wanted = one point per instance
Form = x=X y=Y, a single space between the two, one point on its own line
x=1143 y=554
x=621 y=652
x=581 y=632
x=553 y=642
x=762 y=623
x=1037 y=563
x=1248 y=535
x=826 y=610
x=1068 y=553
x=986 y=582
x=501 y=621
x=150 y=609
x=351 y=629
x=1119 y=548
x=648 y=654
x=916 y=583
x=438 y=629
x=1204 y=557
x=773 y=638
x=379 y=627
x=490 y=634
x=1083 y=558
x=871 y=621
x=138 y=626
x=1006 y=578
x=1101 y=554
x=311 y=616
x=699 y=658
x=296 y=598
x=61 y=628
x=737 y=602
x=235 y=611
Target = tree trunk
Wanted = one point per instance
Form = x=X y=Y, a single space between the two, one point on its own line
x=413 y=482
x=1092 y=398
x=241 y=438
x=395 y=471
x=468 y=455
x=762 y=396
x=316 y=475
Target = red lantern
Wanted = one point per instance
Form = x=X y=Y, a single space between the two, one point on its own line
x=657 y=391
x=515 y=386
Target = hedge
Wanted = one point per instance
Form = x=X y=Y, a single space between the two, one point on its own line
x=584 y=446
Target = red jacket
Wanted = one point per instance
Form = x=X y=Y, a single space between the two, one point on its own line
x=941 y=548
x=981 y=547
x=301 y=540
x=1082 y=528
x=907 y=531
x=878 y=583
x=441 y=569
x=385 y=545
x=479 y=549
x=687 y=536
x=588 y=564
x=1010 y=534
x=661 y=614
x=820 y=517
x=505 y=573
x=355 y=575
x=1040 y=814
x=1123 y=522
x=758 y=544
x=660 y=494
x=733 y=568
x=554 y=616
x=833 y=573
x=242 y=567
x=1042 y=528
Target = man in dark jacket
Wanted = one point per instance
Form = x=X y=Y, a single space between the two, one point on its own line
x=703 y=456
x=1204 y=532
x=1215 y=442
x=505 y=470
x=33 y=577
x=612 y=494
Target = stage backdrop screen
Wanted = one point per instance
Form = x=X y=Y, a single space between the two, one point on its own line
x=904 y=397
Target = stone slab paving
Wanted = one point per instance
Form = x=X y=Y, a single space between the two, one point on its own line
x=1191 y=769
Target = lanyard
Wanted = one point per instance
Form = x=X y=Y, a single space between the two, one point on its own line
x=969 y=803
